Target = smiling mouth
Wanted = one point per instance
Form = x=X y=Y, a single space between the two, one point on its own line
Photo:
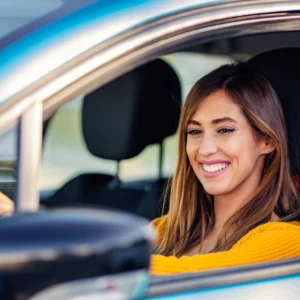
x=213 y=170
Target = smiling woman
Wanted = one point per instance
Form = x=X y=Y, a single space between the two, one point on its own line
x=232 y=185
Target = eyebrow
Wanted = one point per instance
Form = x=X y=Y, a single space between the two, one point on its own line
x=222 y=120
x=216 y=121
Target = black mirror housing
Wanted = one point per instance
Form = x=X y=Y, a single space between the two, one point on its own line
x=40 y=250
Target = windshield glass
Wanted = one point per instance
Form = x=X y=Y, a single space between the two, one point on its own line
x=21 y=17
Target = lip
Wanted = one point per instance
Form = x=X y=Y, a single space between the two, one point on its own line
x=212 y=162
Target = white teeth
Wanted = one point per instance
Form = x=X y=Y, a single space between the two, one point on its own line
x=214 y=168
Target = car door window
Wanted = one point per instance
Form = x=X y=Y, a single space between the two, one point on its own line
x=65 y=154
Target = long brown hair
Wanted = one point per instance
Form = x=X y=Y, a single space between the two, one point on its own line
x=191 y=210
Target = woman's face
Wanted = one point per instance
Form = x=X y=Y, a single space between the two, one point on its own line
x=222 y=148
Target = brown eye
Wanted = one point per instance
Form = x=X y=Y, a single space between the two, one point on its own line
x=194 y=132
x=225 y=130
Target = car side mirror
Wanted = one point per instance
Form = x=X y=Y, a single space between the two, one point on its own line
x=63 y=251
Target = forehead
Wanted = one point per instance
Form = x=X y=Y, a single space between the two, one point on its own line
x=217 y=105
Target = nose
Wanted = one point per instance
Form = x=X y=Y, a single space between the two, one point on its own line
x=208 y=145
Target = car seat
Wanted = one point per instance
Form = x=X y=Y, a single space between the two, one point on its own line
x=119 y=120
x=281 y=67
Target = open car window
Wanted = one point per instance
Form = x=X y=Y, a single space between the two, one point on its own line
x=65 y=154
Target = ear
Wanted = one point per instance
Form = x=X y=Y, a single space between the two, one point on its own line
x=267 y=145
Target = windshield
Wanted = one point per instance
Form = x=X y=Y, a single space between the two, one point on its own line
x=21 y=17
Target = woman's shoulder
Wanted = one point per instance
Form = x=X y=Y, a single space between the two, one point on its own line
x=270 y=230
x=279 y=226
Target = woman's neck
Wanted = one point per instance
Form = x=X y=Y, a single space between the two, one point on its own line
x=225 y=206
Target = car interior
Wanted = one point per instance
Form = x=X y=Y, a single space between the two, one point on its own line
x=141 y=108
x=117 y=125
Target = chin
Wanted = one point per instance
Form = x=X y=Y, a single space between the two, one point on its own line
x=216 y=190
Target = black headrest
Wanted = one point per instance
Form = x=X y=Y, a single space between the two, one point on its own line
x=136 y=110
x=282 y=68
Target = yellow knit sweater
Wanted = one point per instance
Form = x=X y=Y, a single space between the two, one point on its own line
x=267 y=242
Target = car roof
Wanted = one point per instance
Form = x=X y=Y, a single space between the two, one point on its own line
x=33 y=47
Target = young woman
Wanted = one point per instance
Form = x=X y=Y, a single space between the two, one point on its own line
x=232 y=185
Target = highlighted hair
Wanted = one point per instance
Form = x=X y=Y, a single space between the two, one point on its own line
x=191 y=209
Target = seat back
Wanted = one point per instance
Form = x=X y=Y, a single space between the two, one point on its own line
x=118 y=121
x=293 y=217
x=281 y=67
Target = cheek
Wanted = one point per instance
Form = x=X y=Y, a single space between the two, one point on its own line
x=243 y=149
x=191 y=150
x=189 y=155
x=231 y=148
